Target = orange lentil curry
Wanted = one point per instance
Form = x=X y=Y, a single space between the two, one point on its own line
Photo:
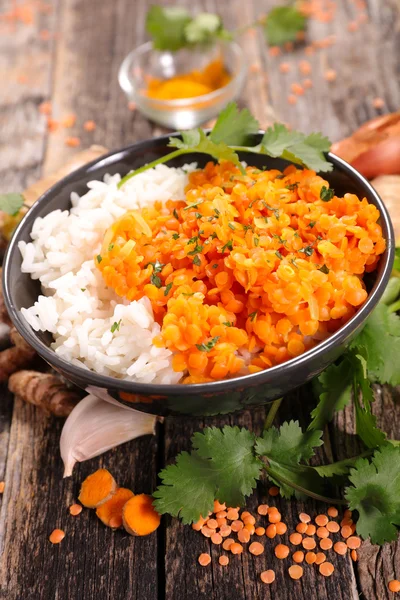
x=249 y=271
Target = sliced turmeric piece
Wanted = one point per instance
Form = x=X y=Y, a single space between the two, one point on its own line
x=139 y=516
x=110 y=513
x=97 y=489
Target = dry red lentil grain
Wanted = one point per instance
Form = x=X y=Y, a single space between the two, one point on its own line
x=248 y=519
x=199 y=524
x=305 y=67
x=353 y=542
x=89 y=126
x=204 y=559
x=326 y=569
x=295 y=571
x=75 y=509
x=352 y=26
x=236 y=548
x=273 y=491
x=223 y=560
x=56 y=536
x=132 y=106
x=310 y=558
x=346 y=521
x=304 y=517
x=284 y=67
x=320 y=558
x=297 y=89
x=281 y=528
x=354 y=555
x=250 y=528
x=340 y=548
x=232 y=514
x=321 y=520
x=45 y=108
x=228 y=543
x=221 y=522
x=322 y=532
x=221 y=514
x=216 y=538
x=206 y=531
x=212 y=524
x=348 y=513
x=292 y=99
x=281 y=551
x=295 y=538
x=2 y=486
x=263 y=509
x=72 y=142
x=308 y=543
x=225 y=530
x=260 y=531
x=301 y=527
x=311 y=529
x=218 y=507
x=267 y=576
x=237 y=525
x=330 y=75
x=394 y=586
x=378 y=103
x=325 y=544
x=68 y=121
x=346 y=531
x=307 y=83
x=274 y=517
x=333 y=527
x=274 y=51
x=244 y=536
x=333 y=512
x=271 y=531
x=298 y=556
x=256 y=548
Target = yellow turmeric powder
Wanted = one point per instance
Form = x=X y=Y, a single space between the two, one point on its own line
x=190 y=85
x=97 y=489
x=139 y=516
x=110 y=513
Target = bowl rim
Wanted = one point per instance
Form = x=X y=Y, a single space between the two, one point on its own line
x=214 y=387
x=127 y=85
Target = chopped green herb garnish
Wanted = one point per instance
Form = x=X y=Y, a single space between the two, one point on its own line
x=253 y=315
x=228 y=246
x=293 y=186
x=217 y=213
x=207 y=346
x=197 y=261
x=191 y=294
x=311 y=224
x=324 y=269
x=195 y=250
x=115 y=326
x=256 y=241
x=175 y=213
x=193 y=239
x=83 y=289
x=247 y=227
x=110 y=247
x=215 y=266
x=99 y=258
x=293 y=261
x=157 y=266
x=231 y=226
x=279 y=255
x=213 y=235
x=326 y=194
x=319 y=237
x=228 y=324
x=175 y=236
x=155 y=280
x=194 y=205
x=198 y=215
x=167 y=289
x=308 y=250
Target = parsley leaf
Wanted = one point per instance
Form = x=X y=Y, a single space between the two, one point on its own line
x=222 y=465
x=283 y=24
x=115 y=326
x=334 y=389
x=99 y=258
x=208 y=346
x=227 y=246
x=155 y=280
x=197 y=261
x=326 y=194
x=234 y=126
x=375 y=494
x=166 y=25
x=167 y=289
x=11 y=203
x=285 y=449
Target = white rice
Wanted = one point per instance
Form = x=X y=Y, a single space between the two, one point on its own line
x=76 y=306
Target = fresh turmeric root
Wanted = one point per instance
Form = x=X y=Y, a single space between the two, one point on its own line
x=19 y=356
x=44 y=390
x=97 y=489
x=110 y=513
x=139 y=516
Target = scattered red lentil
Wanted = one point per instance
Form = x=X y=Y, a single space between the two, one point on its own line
x=244 y=536
x=273 y=491
x=297 y=89
x=301 y=527
x=354 y=555
x=295 y=538
x=274 y=517
x=340 y=548
x=72 y=142
x=57 y=536
x=320 y=558
x=236 y=548
x=212 y=524
x=298 y=556
x=132 y=106
x=75 y=509
x=332 y=512
x=353 y=542
x=305 y=67
x=394 y=586
x=346 y=531
x=330 y=75
x=352 y=26
x=325 y=544
x=311 y=558
x=281 y=551
x=225 y=530
x=322 y=532
x=248 y=519
x=216 y=538
x=2 y=486
x=255 y=68
x=45 y=108
x=308 y=543
x=311 y=529
x=304 y=517
x=309 y=50
x=237 y=525
x=295 y=571
x=221 y=521
x=285 y=67
x=271 y=531
x=206 y=531
x=250 y=528
x=232 y=514
x=274 y=51
x=260 y=531
x=204 y=559
x=228 y=543
x=348 y=513
x=281 y=528
x=326 y=569
x=89 y=126
x=333 y=527
x=321 y=520
x=223 y=560
x=256 y=548
x=378 y=103
x=68 y=121
x=292 y=99
x=199 y=524
x=268 y=576
x=263 y=509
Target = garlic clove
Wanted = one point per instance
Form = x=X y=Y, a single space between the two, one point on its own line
x=95 y=426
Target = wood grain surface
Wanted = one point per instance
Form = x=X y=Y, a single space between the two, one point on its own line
x=70 y=53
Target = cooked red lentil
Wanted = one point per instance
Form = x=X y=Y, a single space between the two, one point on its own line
x=248 y=272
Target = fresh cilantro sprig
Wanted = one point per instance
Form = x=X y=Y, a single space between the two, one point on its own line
x=232 y=133
x=172 y=28
x=11 y=203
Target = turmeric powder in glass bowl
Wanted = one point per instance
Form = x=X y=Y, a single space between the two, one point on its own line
x=183 y=89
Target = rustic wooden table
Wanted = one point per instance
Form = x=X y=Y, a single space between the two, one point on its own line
x=69 y=52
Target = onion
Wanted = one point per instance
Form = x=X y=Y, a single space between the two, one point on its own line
x=95 y=426
x=382 y=159
x=388 y=187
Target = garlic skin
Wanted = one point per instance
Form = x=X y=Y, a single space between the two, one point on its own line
x=95 y=426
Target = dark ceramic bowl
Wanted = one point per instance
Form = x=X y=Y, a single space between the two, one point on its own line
x=200 y=399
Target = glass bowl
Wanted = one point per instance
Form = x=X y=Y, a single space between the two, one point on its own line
x=184 y=113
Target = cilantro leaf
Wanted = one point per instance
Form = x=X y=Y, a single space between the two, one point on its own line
x=11 y=203
x=375 y=494
x=115 y=326
x=396 y=264
x=166 y=25
x=187 y=489
x=296 y=147
x=380 y=342
x=231 y=454
x=233 y=126
x=326 y=194
x=207 y=346
x=203 y=28
x=222 y=465
x=283 y=24
x=285 y=449
x=195 y=140
x=334 y=389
